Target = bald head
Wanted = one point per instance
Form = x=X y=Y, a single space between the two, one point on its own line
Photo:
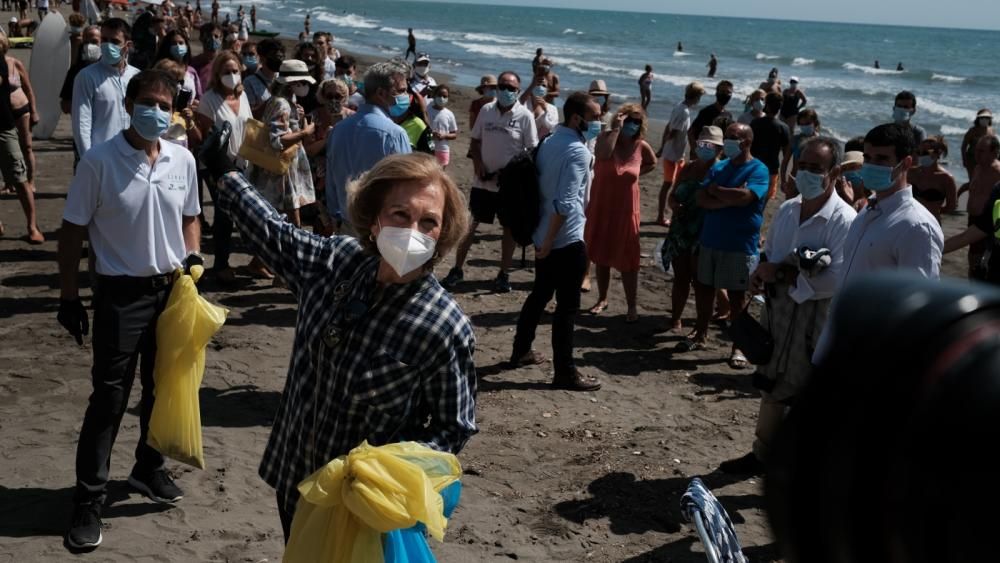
x=741 y=135
x=740 y=131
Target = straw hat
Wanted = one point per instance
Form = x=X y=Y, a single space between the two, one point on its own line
x=853 y=157
x=984 y=113
x=293 y=70
x=487 y=81
x=598 y=88
x=712 y=135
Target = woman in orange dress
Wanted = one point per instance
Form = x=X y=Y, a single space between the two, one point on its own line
x=612 y=230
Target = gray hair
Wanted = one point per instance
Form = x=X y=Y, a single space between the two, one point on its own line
x=381 y=75
x=90 y=27
x=836 y=152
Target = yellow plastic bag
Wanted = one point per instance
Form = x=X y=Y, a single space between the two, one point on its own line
x=182 y=332
x=347 y=504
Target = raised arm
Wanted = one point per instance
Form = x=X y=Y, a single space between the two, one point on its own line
x=449 y=390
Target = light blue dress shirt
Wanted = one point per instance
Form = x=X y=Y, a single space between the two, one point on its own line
x=563 y=166
x=99 y=104
x=354 y=147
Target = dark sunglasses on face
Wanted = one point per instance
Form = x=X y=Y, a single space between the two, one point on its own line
x=507 y=88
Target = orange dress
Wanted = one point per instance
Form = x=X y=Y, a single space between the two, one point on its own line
x=612 y=230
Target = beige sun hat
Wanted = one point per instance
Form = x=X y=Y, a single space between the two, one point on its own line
x=293 y=70
x=598 y=88
x=487 y=81
x=853 y=157
x=711 y=134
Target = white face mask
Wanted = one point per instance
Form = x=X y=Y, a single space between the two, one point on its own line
x=421 y=70
x=440 y=101
x=300 y=89
x=91 y=52
x=810 y=184
x=404 y=250
x=230 y=81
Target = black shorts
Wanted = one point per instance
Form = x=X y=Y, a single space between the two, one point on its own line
x=484 y=205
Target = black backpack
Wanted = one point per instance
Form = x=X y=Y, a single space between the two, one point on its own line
x=520 y=196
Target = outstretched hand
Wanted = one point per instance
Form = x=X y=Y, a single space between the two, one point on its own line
x=214 y=153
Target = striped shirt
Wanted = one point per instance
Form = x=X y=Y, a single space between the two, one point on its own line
x=383 y=365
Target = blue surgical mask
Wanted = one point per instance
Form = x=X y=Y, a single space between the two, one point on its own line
x=808 y=130
x=630 y=129
x=810 y=184
x=877 y=178
x=401 y=103
x=251 y=62
x=149 y=121
x=213 y=44
x=926 y=161
x=757 y=105
x=854 y=177
x=705 y=154
x=731 y=148
x=111 y=54
x=901 y=115
x=506 y=98
x=490 y=92
x=539 y=91
x=593 y=130
x=178 y=51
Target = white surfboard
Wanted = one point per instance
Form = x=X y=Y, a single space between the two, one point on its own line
x=50 y=59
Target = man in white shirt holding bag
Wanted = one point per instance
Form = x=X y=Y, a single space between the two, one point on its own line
x=802 y=259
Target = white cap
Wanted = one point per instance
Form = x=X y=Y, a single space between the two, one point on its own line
x=793 y=79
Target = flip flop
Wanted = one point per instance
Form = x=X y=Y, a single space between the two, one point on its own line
x=598 y=309
x=689 y=345
x=738 y=361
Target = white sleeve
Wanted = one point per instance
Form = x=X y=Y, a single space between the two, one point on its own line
x=83 y=92
x=83 y=194
x=921 y=250
x=530 y=136
x=452 y=123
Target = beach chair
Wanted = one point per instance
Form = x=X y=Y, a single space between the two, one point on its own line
x=700 y=507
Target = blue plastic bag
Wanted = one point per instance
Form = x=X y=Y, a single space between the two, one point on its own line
x=410 y=545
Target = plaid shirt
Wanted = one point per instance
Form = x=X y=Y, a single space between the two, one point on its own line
x=384 y=365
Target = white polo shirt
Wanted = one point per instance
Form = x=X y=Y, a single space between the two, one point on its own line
x=134 y=211
x=502 y=137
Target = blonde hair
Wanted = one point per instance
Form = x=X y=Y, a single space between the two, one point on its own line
x=4 y=43
x=632 y=107
x=337 y=83
x=367 y=197
x=220 y=59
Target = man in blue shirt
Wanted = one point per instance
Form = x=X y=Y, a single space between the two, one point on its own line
x=733 y=195
x=366 y=137
x=560 y=254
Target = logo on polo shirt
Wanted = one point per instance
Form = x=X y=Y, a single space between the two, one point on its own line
x=176 y=182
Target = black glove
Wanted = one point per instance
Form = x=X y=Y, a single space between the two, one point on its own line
x=73 y=317
x=214 y=152
x=193 y=259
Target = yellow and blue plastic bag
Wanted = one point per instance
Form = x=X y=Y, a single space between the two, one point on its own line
x=182 y=332
x=374 y=504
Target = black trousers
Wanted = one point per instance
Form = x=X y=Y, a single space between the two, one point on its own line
x=125 y=315
x=560 y=274
x=222 y=231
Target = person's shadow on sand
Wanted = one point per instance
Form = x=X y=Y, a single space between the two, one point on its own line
x=35 y=512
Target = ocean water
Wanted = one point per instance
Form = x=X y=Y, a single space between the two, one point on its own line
x=952 y=72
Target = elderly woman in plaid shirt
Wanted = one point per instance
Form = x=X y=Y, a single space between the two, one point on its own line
x=381 y=353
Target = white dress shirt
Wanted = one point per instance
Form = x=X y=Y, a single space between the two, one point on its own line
x=827 y=228
x=894 y=233
x=99 y=104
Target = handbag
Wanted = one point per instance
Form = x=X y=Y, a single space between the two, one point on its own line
x=755 y=341
x=257 y=149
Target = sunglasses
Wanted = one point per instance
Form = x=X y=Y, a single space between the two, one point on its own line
x=508 y=88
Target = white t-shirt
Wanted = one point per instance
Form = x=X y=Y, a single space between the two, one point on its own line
x=680 y=121
x=442 y=121
x=133 y=211
x=356 y=100
x=502 y=137
x=42 y=4
x=214 y=107
x=547 y=121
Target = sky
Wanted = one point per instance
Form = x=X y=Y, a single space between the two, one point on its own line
x=972 y=14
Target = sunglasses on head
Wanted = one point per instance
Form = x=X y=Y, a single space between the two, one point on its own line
x=507 y=88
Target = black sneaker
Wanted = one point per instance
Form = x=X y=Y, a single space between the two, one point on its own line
x=85 y=529
x=746 y=465
x=158 y=486
x=453 y=278
x=502 y=283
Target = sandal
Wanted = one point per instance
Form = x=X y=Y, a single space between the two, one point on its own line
x=690 y=345
x=599 y=308
x=738 y=361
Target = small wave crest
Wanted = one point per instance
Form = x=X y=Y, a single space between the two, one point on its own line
x=489 y=38
x=946 y=110
x=502 y=51
x=947 y=78
x=952 y=131
x=571 y=31
x=869 y=69
x=766 y=57
x=422 y=35
x=348 y=20
x=681 y=54
x=800 y=61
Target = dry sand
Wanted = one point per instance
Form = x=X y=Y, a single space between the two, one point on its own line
x=552 y=476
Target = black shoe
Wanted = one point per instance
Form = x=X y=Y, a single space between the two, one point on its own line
x=746 y=465
x=158 y=486
x=85 y=529
x=453 y=278
x=502 y=283
x=576 y=381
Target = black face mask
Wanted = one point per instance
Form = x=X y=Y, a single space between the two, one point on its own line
x=723 y=99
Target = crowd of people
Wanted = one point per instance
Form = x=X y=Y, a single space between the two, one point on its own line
x=382 y=350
